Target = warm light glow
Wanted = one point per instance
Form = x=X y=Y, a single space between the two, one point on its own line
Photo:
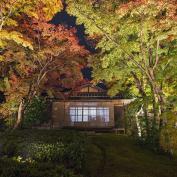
x=86 y=114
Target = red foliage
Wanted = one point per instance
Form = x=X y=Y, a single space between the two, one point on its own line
x=50 y=36
x=50 y=33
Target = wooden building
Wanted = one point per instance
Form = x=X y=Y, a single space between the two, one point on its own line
x=89 y=107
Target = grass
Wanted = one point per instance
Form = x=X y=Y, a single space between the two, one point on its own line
x=107 y=155
x=112 y=155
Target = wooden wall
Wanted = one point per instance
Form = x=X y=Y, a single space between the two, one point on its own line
x=119 y=116
x=61 y=118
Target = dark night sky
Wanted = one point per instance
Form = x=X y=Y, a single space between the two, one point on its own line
x=70 y=21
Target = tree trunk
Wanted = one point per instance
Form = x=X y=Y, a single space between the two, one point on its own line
x=158 y=96
x=142 y=92
x=159 y=107
x=145 y=110
x=18 y=123
x=154 y=109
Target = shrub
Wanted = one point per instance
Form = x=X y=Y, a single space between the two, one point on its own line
x=131 y=122
x=35 y=113
x=71 y=153
x=75 y=154
x=2 y=124
x=168 y=140
x=47 y=152
x=61 y=147
x=15 y=168
x=10 y=148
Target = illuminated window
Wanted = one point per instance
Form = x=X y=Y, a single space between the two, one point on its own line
x=86 y=114
x=92 y=113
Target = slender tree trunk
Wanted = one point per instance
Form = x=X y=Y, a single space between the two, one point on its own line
x=159 y=105
x=19 y=121
x=154 y=109
x=140 y=87
x=138 y=125
x=158 y=96
x=158 y=108
x=21 y=109
x=145 y=110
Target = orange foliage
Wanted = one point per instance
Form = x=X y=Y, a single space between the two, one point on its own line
x=47 y=37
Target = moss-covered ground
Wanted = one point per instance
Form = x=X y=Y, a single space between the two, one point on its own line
x=112 y=155
x=106 y=155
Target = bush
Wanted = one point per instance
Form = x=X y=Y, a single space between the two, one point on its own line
x=66 y=148
x=35 y=113
x=16 y=168
x=75 y=154
x=2 y=124
x=131 y=122
x=168 y=138
x=47 y=152
x=7 y=122
x=10 y=148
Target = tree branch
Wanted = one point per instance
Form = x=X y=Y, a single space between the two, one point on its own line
x=157 y=55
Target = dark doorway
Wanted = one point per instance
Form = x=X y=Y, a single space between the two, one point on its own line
x=119 y=117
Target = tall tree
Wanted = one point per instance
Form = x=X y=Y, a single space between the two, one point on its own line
x=55 y=53
x=137 y=40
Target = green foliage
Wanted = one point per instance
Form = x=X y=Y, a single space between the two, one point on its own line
x=76 y=154
x=19 y=168
x=10 y=121
x=8 y=110
x=47 y=152
x=136 y=42
x=127 y=32
x=136 y=122
x=36 y=112
x=103 y=154
x=168 y=140
x=72 y=153
x=10 y=148
x=130 y=114
x=16 y=37
x=2 y=124
x=66 y=148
